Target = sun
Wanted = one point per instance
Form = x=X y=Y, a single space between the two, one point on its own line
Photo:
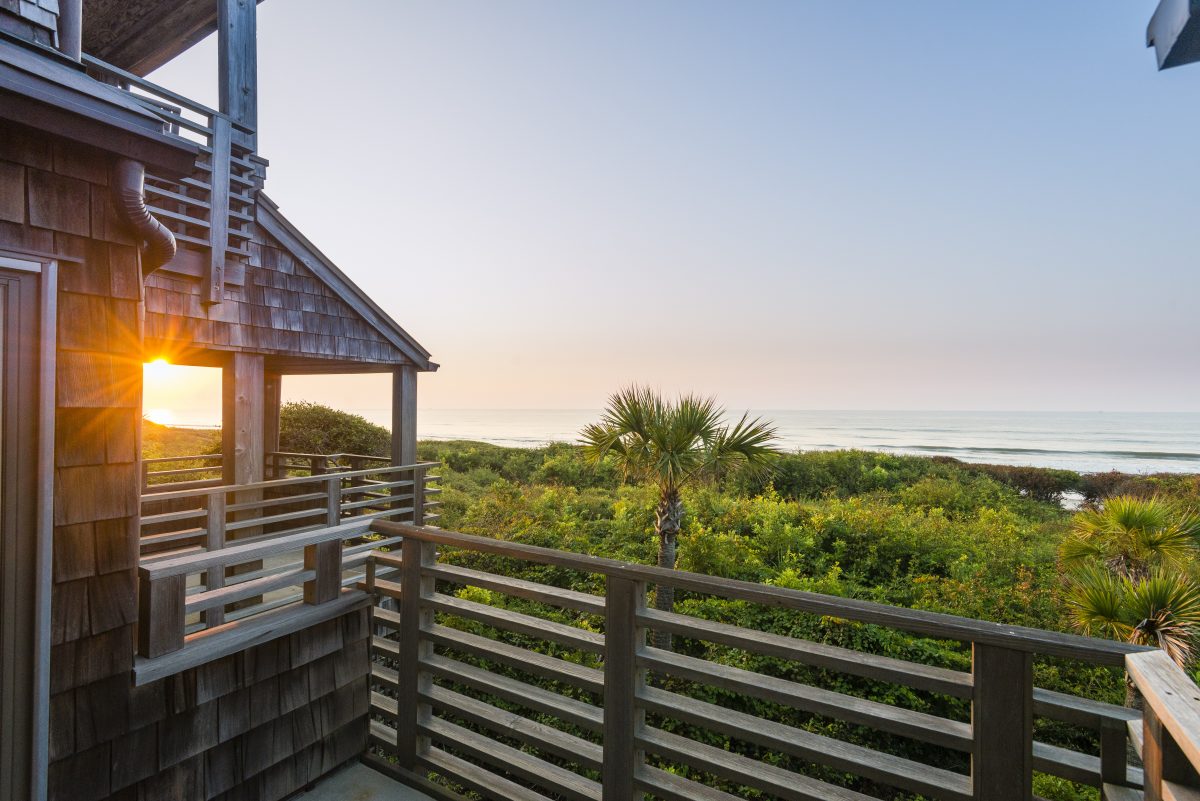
x=164 y=417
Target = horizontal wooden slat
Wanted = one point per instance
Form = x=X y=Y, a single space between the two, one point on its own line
x=519 y=588
x=834 y=705
x=1067 y=764
x=515 y=621
x=510 y=724
x=246 y=589
x=543 y=665
x=769 y=778
x=896 y=671
x=239 y=553
x=874 y=765
x=476 y=778
x=670 y=787
x=173 y=517
x=543 y=774
x=560 y=706
x=1080 y=711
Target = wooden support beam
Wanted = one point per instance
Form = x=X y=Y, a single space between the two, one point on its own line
x=404 y=415
x=1002 y=719
x=242 y=418
x=237 y=58
x=218 y=214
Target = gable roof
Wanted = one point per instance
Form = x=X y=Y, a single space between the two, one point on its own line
x=268 y=216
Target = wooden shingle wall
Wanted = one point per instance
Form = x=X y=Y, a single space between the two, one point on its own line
x=280 y=308
x=35 y=20
x=257 y=725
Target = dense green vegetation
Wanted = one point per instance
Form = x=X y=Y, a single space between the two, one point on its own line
x=936 y=534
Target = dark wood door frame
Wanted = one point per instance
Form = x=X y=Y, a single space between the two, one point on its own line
x=26 y=513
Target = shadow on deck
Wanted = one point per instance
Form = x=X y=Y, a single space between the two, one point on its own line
x=357 y=782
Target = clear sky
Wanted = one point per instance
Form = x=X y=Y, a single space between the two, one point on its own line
x=938 y=205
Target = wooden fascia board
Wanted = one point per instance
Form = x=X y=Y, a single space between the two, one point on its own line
x=274 y=223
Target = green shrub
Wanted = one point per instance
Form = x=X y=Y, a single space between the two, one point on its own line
x=306 y=427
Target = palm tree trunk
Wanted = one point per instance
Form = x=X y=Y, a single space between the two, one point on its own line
x=667 y=518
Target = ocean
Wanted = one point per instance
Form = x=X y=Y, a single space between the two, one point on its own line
x=1084 y=441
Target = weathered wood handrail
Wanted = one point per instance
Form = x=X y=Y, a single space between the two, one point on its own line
x=1171 y=727
x=418 y=676
x=224 y=548
x=210 y=463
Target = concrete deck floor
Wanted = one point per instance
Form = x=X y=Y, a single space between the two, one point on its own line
x=360 y=783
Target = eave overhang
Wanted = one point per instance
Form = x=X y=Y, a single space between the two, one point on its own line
x=1174 y=33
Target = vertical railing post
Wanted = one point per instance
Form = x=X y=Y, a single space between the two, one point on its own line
x=325 y=559
x=161 y=605
x=1002 y=720
x=414 y=616
x=333 y=500
x=1162 y=758
x=418 y=496
x=214 y=527
x=622 y=682
x=316 y=465
x=1114 y=751
x=218 y=216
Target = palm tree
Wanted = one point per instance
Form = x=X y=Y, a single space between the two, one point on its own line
x=673 y=444
x=1133 y=536
x=1131 y=574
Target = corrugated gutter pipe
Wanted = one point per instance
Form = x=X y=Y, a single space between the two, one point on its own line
x=129 y=197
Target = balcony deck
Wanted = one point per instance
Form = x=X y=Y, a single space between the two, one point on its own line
x=358 y=782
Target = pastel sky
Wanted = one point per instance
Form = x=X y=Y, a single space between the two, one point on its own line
x=826 y=205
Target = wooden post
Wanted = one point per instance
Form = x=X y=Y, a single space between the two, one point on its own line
x=218 y=213
x=1114 y=751
x=333 y=500
x=1162 y=759
x=1002 y=718
x=413 y=617
x=160 y=615
x=326 y=559
x=242 y=418
x=215 y=541
x=237 y=60
x=404 y=429
x=622 y=681
x=272 y=396
x=404 y=415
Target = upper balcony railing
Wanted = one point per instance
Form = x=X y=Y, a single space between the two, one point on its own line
x=221 y=566
x=213 y=208
x=521 y=689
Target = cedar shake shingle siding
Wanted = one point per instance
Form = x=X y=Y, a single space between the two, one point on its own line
x=277 y=308
x=256 y=725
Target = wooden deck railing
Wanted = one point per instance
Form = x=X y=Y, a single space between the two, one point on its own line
x=181 y=472
x=212 y=209
x=1168 y=738
x=282 y=464
x=238 y=552
x=564 y=697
